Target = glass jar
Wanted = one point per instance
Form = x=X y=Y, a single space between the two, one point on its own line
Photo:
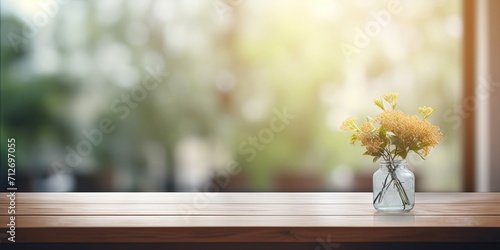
x=393 y=187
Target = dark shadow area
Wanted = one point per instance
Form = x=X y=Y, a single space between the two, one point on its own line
x=260 y=246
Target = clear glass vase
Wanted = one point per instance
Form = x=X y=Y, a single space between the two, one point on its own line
x=393 y=187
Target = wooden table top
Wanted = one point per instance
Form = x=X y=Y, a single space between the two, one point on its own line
x=249 y=217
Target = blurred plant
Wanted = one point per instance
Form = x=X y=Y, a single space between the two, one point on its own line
x=397 y=135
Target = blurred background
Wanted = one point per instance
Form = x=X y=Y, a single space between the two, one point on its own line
x=221 y=95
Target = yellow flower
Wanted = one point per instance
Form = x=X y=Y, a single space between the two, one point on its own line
x=371 y=141
x=425 y=111
x=392 y=98
x=412 y=133
x=379 y=103
x=349 y=125
x=393 y=134
x=367 y=127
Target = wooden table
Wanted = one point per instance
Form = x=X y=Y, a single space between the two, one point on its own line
x=321 y=219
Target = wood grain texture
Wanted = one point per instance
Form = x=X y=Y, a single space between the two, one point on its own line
x=220 y=209
x=245 y=198
x=250 y=217
x=253 y=221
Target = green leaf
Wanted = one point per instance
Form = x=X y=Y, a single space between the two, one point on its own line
x=394 y=140
x=382 y=132
x=354 y=137
x=403 y=154
x=375 y=159
x=419 y=154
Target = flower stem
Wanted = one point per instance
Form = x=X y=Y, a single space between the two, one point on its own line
x=401 y=190
x=397 y=183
